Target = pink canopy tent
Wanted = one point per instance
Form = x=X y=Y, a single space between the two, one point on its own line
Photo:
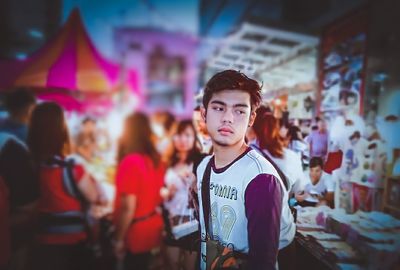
x=69 y=70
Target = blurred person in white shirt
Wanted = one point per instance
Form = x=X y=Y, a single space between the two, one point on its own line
x=318 y=188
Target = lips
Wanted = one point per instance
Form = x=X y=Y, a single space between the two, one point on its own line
x=225 y=130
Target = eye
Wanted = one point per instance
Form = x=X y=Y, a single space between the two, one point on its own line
x=241 y=112
x=218 y=109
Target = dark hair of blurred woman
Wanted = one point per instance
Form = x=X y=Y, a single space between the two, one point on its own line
x=293 y=133
x=194 y=153
x=137 y=138
x=48 y=133
x=266 y=127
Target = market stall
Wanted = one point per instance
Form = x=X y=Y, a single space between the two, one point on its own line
x=70 y=71
x=362 y=240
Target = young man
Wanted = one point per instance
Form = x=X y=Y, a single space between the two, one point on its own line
x=18 y=174
x=248 y=201
x=19 y=105
x=319 y=188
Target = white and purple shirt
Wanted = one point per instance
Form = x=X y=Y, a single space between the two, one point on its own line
x=249 y=209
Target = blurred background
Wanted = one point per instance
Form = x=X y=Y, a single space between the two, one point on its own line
x=163 y=53
x=332 y=60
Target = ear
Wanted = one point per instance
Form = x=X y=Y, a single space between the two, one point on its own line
x=203 y=113
x=252 y=118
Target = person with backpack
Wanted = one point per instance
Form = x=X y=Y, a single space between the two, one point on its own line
x=244 y=217
x=66 y=192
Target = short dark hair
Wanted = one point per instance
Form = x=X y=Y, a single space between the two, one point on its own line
x=355 y=135
x=232 y=80
x=19 y=99
x=316 y=161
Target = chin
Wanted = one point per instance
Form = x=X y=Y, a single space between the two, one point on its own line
x=222 y=142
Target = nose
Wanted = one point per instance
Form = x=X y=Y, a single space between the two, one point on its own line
x=228 y=116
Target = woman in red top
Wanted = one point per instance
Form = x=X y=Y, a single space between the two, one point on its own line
x=139 y=178
x=62 y=229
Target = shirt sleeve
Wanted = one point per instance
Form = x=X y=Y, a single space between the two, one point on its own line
x=263 y=206
x=330 y=185
x=129 y=175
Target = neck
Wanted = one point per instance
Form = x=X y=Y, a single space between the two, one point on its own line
x=314 y=181
x=224 y=155
x=182 y=156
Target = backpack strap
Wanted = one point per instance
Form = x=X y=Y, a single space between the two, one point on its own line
x=205 y=195
x=69 y=221
x=69 y=180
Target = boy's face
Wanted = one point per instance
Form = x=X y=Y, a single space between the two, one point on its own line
x=315 y=173
x=227 y=117
x=321 y=125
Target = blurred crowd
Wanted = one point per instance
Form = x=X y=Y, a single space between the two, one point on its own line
x=65 y=204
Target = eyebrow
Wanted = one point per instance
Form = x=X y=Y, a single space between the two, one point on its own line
x=224 y=104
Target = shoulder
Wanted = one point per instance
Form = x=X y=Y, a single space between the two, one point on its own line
x=197 y=160
x=77 y=159
x=131 y=163
x=255 y=162
x=264 y=179
x=203 y=164
x=326 y=176
x=10 y=139
x=133 y=159
x=263 y=186
x=77 y=164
